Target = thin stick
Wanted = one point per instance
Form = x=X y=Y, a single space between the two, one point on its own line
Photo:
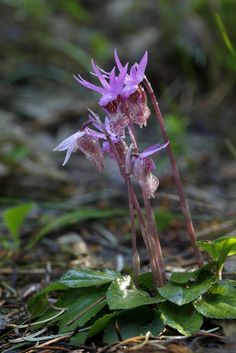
x=183 y=202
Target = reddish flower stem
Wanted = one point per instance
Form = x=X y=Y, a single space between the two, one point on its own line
x=151 y=237
x=132 y=201
x=149 y=241
x=135 y=255
x=153 y=233
x=183 y=202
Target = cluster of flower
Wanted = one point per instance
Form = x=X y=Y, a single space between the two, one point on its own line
x=124 y=102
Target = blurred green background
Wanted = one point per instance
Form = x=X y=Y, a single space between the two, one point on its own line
x=192 y=66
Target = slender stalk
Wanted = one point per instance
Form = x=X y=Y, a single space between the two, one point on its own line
x=183 y=202
x=153 y=233
x=148 y=241
x=135 y=255
x=132 y=201
x=153 y=243
x=150 y=244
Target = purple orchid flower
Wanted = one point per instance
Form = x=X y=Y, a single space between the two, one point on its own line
x=116 y=139
x=70 y=145
x=133 y=93
x=87 y=142
x=136 y=75
x=111 y=88
x=141 y=167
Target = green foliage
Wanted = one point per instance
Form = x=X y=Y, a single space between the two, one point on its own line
x=220 y=301
x=227 y=41
x=220 y=248
x=80 y=215
x=181 y=294
x=92 y=302
x=77 y=307
x=132 y=323
x=37 y=305
x=122 y=294
x=87 y=278
x=184 y=319
x=181 y=277
x=14 y=218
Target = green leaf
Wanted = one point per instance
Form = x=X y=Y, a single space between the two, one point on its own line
x=79 y=338
x=100 y=324
x=181 y=277
x=92 y=330
x=220 y=302
x=184 y=319
x=146 y=280
x=37 y=305
x=83 y=214
x=186 y=293
x=131 y=323
x=14 y=218
x=87 y=278
x=220 y=248
x=79 y=305
x=122 y=294
x=184 y=277
x=71 y=279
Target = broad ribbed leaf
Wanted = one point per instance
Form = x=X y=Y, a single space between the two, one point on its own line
x=132 y=323
x=87 y=278
x=122 y=294
x=220 y=303
x=220 y=248
x=184 y=319
x=181 y=277
x=98 y=326
x=77 y=307
x=38 y=304
x=181 y=294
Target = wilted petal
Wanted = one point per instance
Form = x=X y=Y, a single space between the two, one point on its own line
x=128 y=160
x=91 y=148
x=150 y=185
x=142 y=171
